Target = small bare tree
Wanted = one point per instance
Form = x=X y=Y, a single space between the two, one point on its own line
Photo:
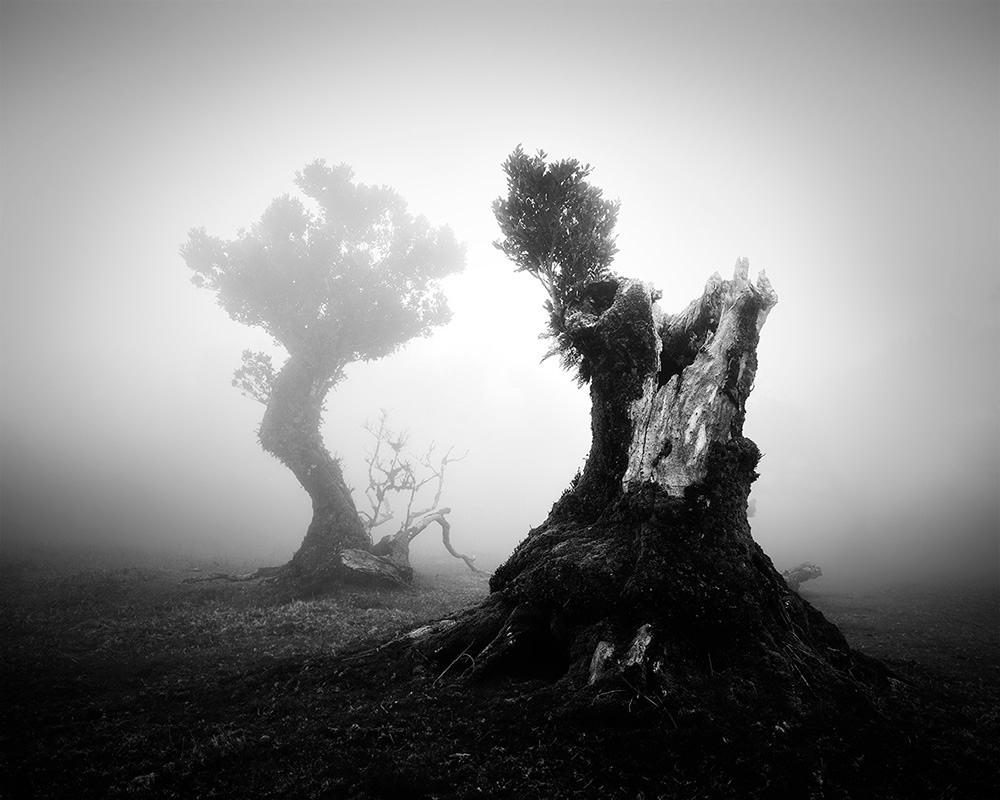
x=396 y=476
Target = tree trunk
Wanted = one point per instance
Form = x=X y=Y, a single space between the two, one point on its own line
x=645 y=570
x=291 y=431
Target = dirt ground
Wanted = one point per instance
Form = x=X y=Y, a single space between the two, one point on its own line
x=125 y=678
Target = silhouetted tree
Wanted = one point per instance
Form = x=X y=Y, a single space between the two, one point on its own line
x=344 y=275
x=645 y=574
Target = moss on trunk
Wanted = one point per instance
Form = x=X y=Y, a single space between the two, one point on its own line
x=290 y=431
x=645 y=574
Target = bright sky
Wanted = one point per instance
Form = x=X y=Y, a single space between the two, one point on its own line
x=850 y=149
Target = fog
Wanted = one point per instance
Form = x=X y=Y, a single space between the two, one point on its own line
x=849 y=149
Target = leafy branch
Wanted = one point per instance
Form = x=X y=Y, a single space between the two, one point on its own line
x=558 y=228
x=255 y=378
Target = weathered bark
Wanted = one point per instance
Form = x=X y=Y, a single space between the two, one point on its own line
x=375 y=570
x=796 y=576
x=645 y=570
x=291 y=431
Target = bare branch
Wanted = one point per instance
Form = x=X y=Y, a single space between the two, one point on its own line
x=436 y=473
x=386 y=474
x=439 y=517
x=391 y=471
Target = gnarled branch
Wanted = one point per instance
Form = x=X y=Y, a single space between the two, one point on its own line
x=439 y=517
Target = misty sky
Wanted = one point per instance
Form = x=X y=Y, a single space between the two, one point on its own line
x=850 y=149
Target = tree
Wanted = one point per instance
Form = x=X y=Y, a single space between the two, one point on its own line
x=393 y=473
x=346 y=275
x=645 y=574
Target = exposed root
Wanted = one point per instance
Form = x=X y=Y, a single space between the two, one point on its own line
x=264 y=573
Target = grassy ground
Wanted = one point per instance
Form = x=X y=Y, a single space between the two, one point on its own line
x=122 y=678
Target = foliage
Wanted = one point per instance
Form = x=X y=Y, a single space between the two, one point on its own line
x=347 y=275
x=255 y=377
x=558 y=228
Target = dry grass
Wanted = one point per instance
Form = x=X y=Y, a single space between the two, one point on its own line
x=123 y=680
x=136 y=663
x=153 y=612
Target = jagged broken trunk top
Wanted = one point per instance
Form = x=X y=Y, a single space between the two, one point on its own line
x=708 y=359
x=664 y=387
x=646 y=565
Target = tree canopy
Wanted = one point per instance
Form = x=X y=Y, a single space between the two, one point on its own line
x=346 y=274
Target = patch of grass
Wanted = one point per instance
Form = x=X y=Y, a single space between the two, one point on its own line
x=122 y=680
x=111 y=614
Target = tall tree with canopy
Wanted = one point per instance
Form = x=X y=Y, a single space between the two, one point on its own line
x=345 y=275
x=645 y=573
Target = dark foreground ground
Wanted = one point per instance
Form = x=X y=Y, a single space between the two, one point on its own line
x=121 y=679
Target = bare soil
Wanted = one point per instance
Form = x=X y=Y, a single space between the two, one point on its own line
x=122 y=679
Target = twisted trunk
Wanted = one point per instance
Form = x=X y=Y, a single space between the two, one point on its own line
x=645 y=570
x=290 y=431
